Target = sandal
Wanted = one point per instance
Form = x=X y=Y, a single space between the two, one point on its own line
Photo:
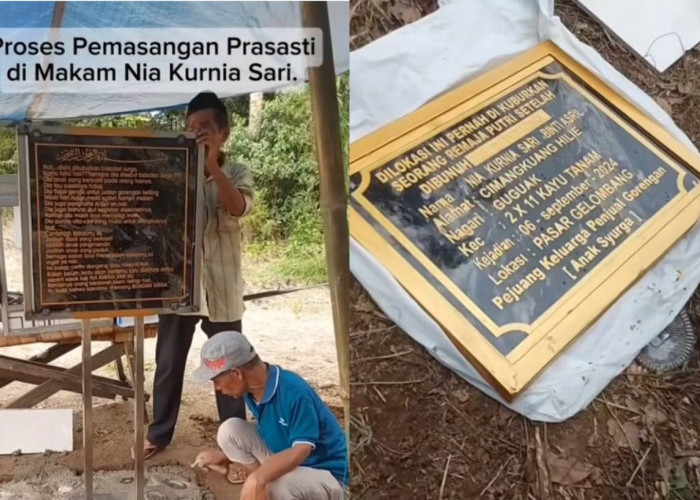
x=236 y=474
x=149 y=449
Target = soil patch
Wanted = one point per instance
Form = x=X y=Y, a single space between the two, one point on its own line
x=418 y=429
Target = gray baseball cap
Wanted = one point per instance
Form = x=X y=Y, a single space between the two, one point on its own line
x=223 y=352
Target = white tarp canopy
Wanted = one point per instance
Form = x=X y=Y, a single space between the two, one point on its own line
x=138 y=16
x=402 y=71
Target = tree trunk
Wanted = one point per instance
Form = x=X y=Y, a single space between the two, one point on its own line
x=255 y=114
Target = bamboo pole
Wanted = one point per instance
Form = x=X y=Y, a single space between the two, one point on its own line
x=324 y=104
x=138 y=408
x=87 y=409
x=41 y=96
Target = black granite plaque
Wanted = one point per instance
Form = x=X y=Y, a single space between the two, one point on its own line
x=511 y=208
x=113 y=221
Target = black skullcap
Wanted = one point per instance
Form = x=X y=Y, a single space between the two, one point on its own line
x=208 y=100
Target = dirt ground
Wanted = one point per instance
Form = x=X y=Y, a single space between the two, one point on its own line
x=419 y=431
x=294 y=331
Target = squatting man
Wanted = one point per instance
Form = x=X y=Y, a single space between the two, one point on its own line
x=297 y=450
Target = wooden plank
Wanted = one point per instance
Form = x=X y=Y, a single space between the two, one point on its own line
x=106 y=333
x=113 y=314
x=138 y=408
x=87 y=408
x=120 y=366
x=21 y=367
x=4 y=299
x=50 y=354
x=22 y=377
x=130 y=359
x=6 y=361
x=51 y=387
x=38 y=381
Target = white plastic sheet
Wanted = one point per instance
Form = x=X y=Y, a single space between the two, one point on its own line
x=660 y=32
x=407 y=68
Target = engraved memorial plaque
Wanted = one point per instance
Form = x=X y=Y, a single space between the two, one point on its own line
x=112 y=221
x=517 y=208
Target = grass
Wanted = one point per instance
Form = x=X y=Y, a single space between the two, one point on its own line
x=303 y=264
x=286 y=262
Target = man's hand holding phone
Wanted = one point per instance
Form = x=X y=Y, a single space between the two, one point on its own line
x=212 y=146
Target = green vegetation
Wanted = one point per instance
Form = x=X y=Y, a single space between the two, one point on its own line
x=8 y=151
x=281 y=156
x=285 y=230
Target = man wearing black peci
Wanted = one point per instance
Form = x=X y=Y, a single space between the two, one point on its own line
x=228 y=196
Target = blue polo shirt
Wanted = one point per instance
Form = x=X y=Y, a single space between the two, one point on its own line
x=291 y=412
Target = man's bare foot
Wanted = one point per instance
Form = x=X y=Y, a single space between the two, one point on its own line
x=221 y=469
x=149 y=449
x=237 y=474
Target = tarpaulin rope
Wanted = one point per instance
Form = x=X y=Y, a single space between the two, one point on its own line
x=273 y=293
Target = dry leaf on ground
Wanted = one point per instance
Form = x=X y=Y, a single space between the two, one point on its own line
x=461 y=395
x=626 y=436
x=405 y=11
x=567 y=471
x=665 y=105
x=653 y=416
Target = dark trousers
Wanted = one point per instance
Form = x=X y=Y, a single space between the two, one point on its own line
x=173 y=343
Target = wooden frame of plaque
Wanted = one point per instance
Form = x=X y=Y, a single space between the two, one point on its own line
x=173 y=163
x=433 y=199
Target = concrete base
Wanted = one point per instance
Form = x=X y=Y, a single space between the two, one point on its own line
x=162 y=483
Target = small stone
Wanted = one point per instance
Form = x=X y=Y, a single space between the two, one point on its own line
x=64 y=489
x=156 y=495
x=461 y=395
x=178 y=485
x=16 y=453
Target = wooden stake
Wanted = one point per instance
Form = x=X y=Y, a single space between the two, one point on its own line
x=4 y=300
x=138 y=407
x=324 y=103
x=87 y=407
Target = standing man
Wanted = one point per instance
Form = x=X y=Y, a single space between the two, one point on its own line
x=228 y=196
x=297 y=450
